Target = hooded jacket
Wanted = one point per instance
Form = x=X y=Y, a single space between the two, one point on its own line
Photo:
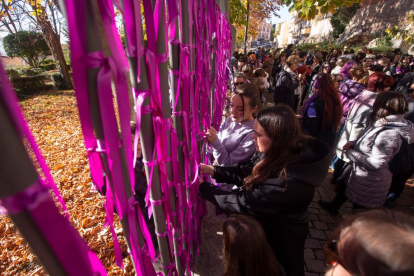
x=234 y=142
x=371 y=177
x=285 y=88
x=280 y=204
x=270 y=62
x=356 y=121
x=348 y=91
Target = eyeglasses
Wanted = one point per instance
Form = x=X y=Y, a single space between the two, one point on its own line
x=326 y=67
x=238 y=83
x=339 y=81
x=331 y=252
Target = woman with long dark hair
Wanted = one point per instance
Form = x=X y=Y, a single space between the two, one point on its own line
x=246 y=250
x=276 y=185
x=322 y=113
x=279 y=65
x=333 y=56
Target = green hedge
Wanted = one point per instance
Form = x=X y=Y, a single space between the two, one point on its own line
x=48 y=67
x=26 y=85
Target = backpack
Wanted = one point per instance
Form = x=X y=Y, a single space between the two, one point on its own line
x=278 y=78
x=403 y=161
x=403 y=88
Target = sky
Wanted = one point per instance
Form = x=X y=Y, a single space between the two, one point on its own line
x=284 y=15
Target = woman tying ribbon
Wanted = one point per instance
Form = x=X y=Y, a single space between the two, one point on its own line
x=233 y=143
x=276 y=185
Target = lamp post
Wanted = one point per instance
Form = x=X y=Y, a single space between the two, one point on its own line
x=247 y=27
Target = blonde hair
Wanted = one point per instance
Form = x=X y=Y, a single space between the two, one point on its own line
x=293 y=59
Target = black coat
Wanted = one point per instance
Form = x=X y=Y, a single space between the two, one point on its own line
x=285 y=89
x=312 y=123
x=277 y=68
x=279 y=204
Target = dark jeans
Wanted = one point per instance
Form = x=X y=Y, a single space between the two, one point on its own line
x=286 y=238
x=296 y=103
x=335 y=158
x=340 y=197
x=398 y=183
x=338 y=166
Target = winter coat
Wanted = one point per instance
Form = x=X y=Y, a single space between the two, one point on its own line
x=277 y=68
x=312 y=123
x=357 y=120
x=371 y=177
x=348 y=91
x=270 y=62
x=310 y=79
x=234 y=142
x=336 y=70
x=304 y=70
x=285 y=89
x=280 y=204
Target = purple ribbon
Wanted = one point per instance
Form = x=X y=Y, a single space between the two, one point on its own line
x=111 y=143
x=37 y=201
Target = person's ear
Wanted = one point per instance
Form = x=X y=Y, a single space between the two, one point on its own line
x=254 y=109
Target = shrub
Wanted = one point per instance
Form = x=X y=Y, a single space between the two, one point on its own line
x=48 y=61
x=13 y=73
x=33 y=71
x=48 y=67
x=58 y=81
x=26 y=85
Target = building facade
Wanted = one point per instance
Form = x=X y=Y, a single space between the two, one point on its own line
x=263 y=35
x=283 y=31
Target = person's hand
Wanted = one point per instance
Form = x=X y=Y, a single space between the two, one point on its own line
x=206 y=169
x=349 y=145
x=211 y=135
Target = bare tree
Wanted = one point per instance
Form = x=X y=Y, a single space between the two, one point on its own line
x=47 y=18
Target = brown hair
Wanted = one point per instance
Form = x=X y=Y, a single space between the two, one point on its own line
x=332 y=111
x=341 y=61
x=260 y=72
x=246 y=251
x=319 y=57
x=282 y=54
x=282 y=127
x=377 y=242
x=358 y=73
x=293 y=59
x=247 y=69
x=388 y=103
x=378 y=81
x=251 y=92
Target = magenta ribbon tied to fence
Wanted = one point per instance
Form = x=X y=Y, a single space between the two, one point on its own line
x=109 y=147
x=37 y=201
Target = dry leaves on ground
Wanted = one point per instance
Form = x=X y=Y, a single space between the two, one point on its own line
x=53 y=119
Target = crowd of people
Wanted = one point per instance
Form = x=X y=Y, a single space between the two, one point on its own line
x=292 y=114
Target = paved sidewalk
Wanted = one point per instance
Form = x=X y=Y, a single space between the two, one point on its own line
x=321 y=225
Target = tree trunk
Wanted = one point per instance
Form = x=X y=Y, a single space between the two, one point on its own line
x=56 y=48
x=54 y=45
x=30 y=61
